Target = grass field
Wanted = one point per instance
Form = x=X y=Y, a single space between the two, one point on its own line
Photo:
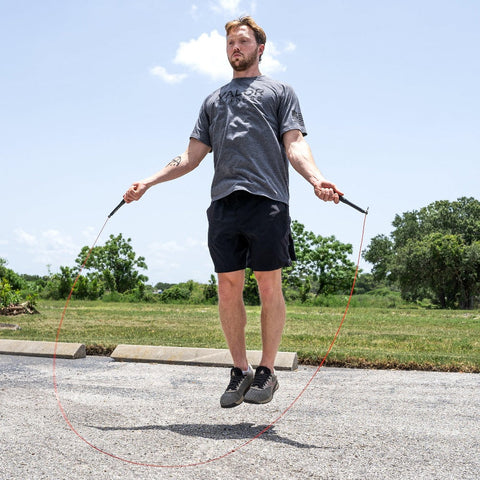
x=397 y=337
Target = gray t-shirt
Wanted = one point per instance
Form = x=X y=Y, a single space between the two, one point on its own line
x=243 y=122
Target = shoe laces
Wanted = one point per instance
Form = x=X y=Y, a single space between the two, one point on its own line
x=236 y=377
x=261 y=377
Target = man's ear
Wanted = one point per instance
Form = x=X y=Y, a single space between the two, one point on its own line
x=261 y=49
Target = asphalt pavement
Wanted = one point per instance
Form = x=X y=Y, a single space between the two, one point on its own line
x=154 y=421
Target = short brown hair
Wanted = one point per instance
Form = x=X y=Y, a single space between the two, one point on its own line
x=260 y=35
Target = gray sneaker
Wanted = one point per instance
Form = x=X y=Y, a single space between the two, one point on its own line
x=264 y=385
x=239 y=384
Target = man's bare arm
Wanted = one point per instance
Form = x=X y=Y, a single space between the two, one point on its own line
x=177 y=167
x=301 y=158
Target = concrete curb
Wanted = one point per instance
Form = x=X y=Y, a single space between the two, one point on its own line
x=42 y=349
x=211 y=357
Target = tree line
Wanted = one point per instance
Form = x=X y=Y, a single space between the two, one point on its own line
x=112 y=272
x=432 y=254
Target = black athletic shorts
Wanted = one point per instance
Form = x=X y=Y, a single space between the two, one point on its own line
x=248 y=230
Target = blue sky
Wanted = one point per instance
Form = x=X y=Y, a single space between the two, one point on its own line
x=97 y=94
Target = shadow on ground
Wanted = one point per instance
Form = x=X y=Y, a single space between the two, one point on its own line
x=242 y=431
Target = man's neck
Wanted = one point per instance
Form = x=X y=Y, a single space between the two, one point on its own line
x=251 y=72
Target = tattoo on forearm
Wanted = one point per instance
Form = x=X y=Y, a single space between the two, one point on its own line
x=175 y=162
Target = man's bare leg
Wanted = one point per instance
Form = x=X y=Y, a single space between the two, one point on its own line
x=233 y=316
x=273 y=314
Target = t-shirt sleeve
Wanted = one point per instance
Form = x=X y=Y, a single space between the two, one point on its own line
x=201 y=131
x=290 y=114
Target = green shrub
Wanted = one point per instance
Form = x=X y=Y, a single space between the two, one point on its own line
x=8 y=296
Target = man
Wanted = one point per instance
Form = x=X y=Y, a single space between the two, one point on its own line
x=254 y=127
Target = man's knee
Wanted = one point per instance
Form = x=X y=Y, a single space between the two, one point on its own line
x=230 y=285
x=269 y=284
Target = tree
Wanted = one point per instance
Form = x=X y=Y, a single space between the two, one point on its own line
x=251 y=295
x=323 y=261
x=14 y=289
x=8 y=296
x=210 y=291
x=432 y=253
x=381 y=254
x=117 y=264
x=89 y=286
x=14 y=280
x=162 y=286
x=176 y=293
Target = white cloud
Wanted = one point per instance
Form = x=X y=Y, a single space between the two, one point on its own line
x=290 y=47
x=50 y=247
x=194 y=11
x=174 y=259
x=89 y=234
x=53 y=240
x=228 y=7
x=270 y=64
x=233 y=7
x=170 y=78
x=205 y=55
x=165 y=248
x=24 y=237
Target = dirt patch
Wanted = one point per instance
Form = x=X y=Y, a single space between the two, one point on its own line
x=99 y=350
x=393 y=365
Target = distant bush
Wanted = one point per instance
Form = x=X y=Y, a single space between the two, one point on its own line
x=8 y=296
x=188 y=292
x=14 y=280
x=175 y=294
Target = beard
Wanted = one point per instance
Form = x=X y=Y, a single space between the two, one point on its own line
x=240 y=64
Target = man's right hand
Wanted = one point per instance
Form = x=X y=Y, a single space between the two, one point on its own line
x=135 y=192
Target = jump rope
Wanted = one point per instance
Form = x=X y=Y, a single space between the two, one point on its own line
x=237 y=448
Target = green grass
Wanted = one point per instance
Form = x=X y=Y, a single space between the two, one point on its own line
x=397 y=337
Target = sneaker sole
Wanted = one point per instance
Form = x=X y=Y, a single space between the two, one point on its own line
x=231 y=405
x=261 y=402
x=239 y=401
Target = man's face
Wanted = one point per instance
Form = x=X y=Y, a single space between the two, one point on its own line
x=242 y=48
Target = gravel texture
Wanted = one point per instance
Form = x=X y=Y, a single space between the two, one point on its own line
x=349 y=424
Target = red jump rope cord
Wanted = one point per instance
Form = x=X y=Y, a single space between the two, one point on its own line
x=236 y=449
